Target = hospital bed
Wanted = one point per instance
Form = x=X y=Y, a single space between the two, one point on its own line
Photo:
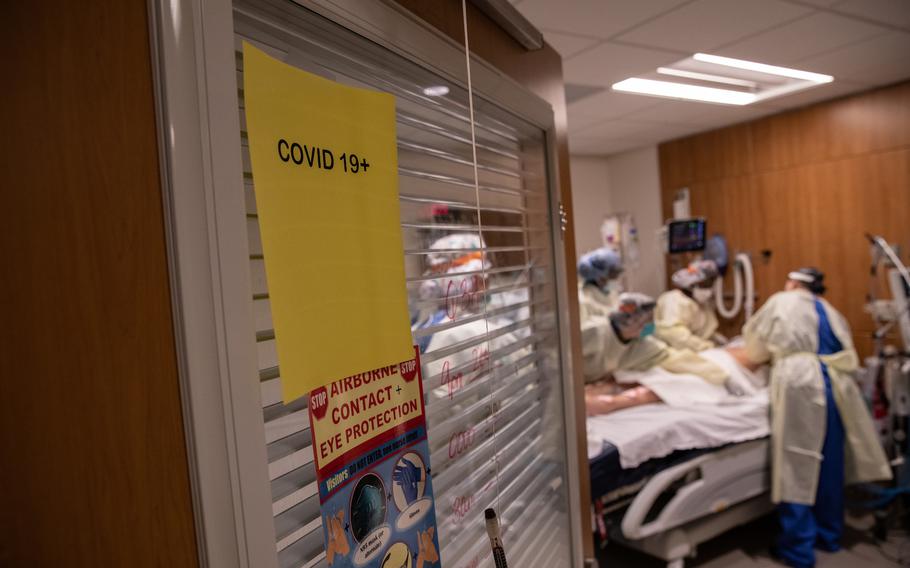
x=666 y=478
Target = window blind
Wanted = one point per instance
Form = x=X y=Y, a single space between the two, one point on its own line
x=482 y=301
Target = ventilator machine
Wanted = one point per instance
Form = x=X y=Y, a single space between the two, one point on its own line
x=887 y=372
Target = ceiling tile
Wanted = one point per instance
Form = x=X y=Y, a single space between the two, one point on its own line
x=718 y=117
x=858 y=51
x=596 y=18
x=609 y=104
x=608 y=63
x=603 y=146
x=815 y=94
x=880 y=60
x=637 y=130
x=566 y=44
x=664 y=132
x=643 y=135
x=613 y=129
x=689 y=113
x=893 y=12
x=802 y=38
x=670 y=111
x=708 y=24
x=669 y=119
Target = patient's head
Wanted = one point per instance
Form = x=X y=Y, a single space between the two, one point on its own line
x=633 y=316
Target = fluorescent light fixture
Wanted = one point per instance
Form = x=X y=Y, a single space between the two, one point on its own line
x=707 y=77
x=763 y=68
x=436 y=91
x=683 y=91
x=760 y=84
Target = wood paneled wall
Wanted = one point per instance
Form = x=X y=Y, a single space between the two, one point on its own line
x=93 y=466
x=805 y=185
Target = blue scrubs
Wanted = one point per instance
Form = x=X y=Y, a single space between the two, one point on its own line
x=424 y=342
x=821 y=525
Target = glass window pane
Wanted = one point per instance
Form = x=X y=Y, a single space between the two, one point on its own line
x=481 y=287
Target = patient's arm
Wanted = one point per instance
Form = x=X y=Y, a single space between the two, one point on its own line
x=597 y=401
x=738 y=352
x=604 y=386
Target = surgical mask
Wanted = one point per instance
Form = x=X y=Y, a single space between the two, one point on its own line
x=647 y=330
x=702 y=295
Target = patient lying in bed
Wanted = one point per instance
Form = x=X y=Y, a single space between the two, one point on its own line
x=681 y=384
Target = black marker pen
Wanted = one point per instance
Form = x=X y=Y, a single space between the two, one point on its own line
x=499 y=555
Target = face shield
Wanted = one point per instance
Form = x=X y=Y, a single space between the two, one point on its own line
x=809 y=278
x=633 y=315
x=457 y=253
x=699 y=275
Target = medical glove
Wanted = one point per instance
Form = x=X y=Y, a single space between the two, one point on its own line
x=407 y=476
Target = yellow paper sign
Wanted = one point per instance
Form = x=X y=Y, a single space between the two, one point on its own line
x=325 y=172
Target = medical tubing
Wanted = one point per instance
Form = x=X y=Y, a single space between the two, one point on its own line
x=892 y=256
x=737 y=294
x=742 y=299
x=749 y=276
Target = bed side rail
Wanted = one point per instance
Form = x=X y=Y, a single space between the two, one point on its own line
x=704 y=485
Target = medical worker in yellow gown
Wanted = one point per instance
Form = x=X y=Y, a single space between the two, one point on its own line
x=598 y=288
x=822 y=435
x=685 y=316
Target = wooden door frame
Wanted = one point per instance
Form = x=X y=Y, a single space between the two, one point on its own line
x=201 y=171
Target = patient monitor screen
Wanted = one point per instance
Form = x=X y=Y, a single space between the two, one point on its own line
x=687 y=236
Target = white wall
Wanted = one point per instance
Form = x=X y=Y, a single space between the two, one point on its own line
x=590 y=200
x=623 y=183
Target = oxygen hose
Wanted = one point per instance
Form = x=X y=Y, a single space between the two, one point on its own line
x=749 y=277
x=737 y=294
x=742 y=299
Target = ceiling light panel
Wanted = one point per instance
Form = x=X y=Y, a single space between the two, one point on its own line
x=722 y=80
x=673 y=90
x=763 y=68
x=707 y=77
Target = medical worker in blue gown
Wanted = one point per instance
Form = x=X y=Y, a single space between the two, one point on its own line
x=822 y=436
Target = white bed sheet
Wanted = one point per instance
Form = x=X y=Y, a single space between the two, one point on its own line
x=695 y=415
x=657 y=430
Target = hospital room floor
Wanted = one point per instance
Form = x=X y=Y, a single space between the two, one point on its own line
x=747 y=547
